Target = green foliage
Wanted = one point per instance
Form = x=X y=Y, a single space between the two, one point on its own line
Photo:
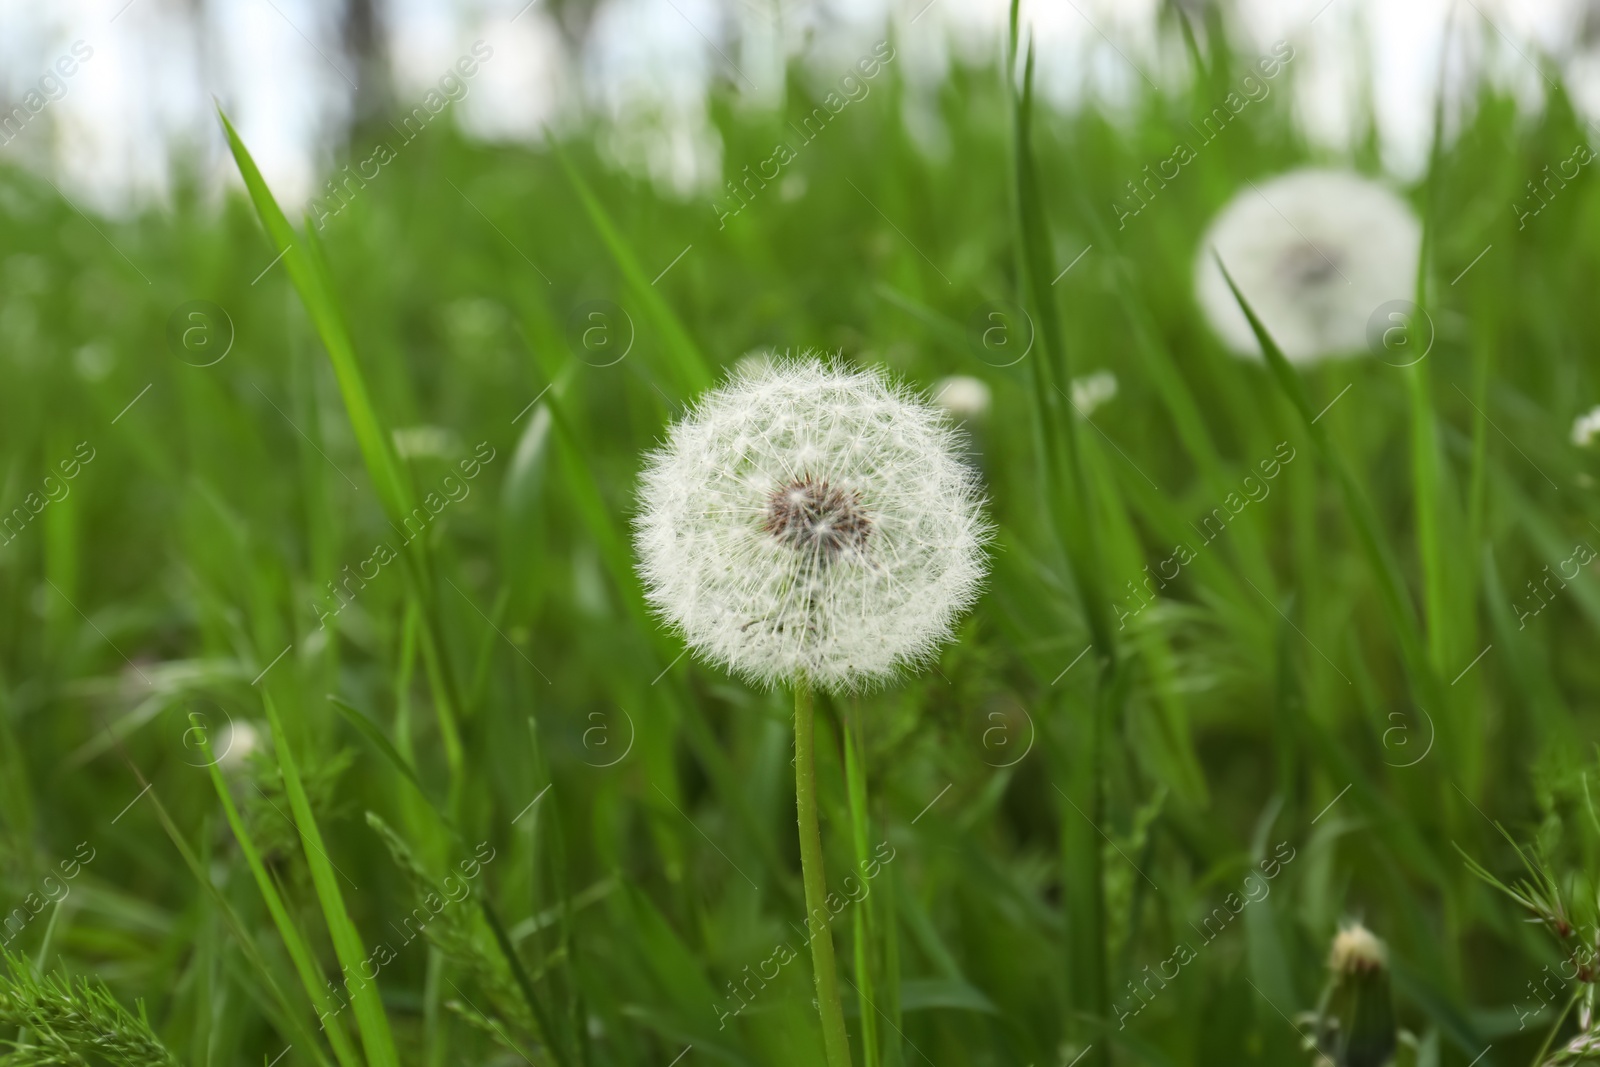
x=1364 y=668
x=72 y=1023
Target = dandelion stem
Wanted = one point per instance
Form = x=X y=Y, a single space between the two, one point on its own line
x=835 y=1040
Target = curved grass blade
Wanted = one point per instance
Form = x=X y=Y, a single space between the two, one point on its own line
x=236 y=926
x=368 y=729
x=308 y=270
x=865 y=933
x=1391 y=586
x=293 y=941
x=370 y=1018
x=691 y=369
x=309 y=274
x=1083 y=873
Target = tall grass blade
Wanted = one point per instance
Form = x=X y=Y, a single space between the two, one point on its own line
x=691 y=371
x=288 y=1011
x=1070 y=504
x=294 y=943
x=376 y=1038
x=1386 y=570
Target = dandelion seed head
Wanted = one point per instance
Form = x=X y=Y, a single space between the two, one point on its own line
x=1315 y=252
x=811 y=522
x=1356 y=950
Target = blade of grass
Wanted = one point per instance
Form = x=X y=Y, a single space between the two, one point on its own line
x=865 y=927
x=310 y=279
x=1442 y=589
x=1052 y=374
x=1088 y=987
x=294 y=942
x=1386 y=570
x=369 y=729
x=309 y=272
x=247 y=944
x=376 y=1038
x=689 y=365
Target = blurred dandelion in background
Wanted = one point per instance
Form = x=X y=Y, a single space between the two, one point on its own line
x=1315 y=252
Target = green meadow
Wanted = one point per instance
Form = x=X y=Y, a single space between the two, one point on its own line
x=335 y=728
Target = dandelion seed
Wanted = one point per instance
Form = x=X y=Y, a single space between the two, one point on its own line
x=1315 y=252
x=811 y=524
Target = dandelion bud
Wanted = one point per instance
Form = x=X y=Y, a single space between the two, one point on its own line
x=1356 y=1024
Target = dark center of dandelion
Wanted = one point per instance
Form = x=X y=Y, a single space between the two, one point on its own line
x=816 y=518
x=1310 y=267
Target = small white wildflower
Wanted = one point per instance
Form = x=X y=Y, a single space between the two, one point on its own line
x=963 y=396
x=811 y=523
x=425 y=442
x=1093 y=391
x=1315 y=252
x=1586 y=427
x=237 y=741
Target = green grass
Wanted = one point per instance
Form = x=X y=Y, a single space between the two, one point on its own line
x=497 y=699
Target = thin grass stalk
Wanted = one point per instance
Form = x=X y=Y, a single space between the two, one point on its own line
x=865 y=925
x=893 y=1053
x=835 y=1039
x=376 y=1038
x=1061 y=452
x=308 y=270
x=1427 y=480
x=689 y=366
x=1386 y=570
x=289 y=1015
x=1088 y=987
x=294 y=943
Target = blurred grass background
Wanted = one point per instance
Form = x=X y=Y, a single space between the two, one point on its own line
x=497 y=690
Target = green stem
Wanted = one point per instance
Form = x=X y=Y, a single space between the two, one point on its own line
x=1551 y=1036
x=835 y=1040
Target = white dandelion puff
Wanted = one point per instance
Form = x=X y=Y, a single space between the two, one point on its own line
x=811 y=524
x=1586 y=427
x=237 y=743
x=1315 y=252
x=963 y=396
